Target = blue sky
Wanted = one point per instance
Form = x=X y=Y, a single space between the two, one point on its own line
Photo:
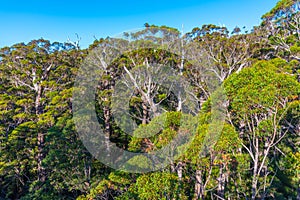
x=56 y=20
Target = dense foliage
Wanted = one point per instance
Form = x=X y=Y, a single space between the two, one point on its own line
x=257 y=155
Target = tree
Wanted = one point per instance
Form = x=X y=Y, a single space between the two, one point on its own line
x=39 y=75
x=224 y=54
x=282 y=28
x=259 y=96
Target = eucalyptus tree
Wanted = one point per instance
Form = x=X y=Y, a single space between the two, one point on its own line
x=38 y=79
x=282 y=27
x=259 y=96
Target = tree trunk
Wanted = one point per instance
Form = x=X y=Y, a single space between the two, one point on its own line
x=221 y=182
x=108 y=85
x=199 y=190
x=145 y=113
x=266 y=152
x=255 y=168
x=179 y=106
x=107 y=127
x=179 y=170
x=41 y=156
x=179 y=174
x=87 y=171
x=40 y=138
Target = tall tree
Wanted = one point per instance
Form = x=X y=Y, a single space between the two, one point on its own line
x=258 y=98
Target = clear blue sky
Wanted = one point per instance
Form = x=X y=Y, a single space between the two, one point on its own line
x=56 y=20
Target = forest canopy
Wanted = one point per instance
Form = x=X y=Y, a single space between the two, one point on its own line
x=253 y=77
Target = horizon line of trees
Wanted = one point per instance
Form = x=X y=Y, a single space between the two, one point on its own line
x=257 y=154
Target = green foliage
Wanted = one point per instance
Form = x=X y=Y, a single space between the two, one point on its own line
x=157 y=186
x=258 y=70
x=281 y=7
x=260 y=88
